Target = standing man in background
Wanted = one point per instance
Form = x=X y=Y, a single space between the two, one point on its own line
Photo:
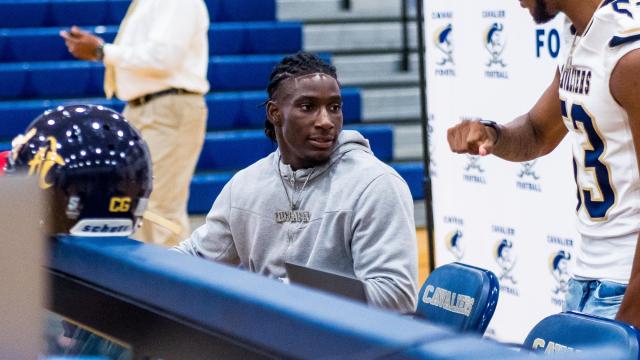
x=158 y=65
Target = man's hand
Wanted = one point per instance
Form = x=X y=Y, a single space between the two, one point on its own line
x=472 y=137
x=81 y=44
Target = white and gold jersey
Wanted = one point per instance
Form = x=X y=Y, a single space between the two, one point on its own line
x=604 y=157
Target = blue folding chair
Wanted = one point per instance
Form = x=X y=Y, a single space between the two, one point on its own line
x=571 y=331
x=459 y=296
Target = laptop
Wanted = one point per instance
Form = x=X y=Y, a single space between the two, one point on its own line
x=340 y=285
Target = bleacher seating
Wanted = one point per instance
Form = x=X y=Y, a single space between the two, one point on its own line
x=459 y=296
x=571 y=331
x=43 y=44
x=227 y=111
x=69 y=79
x=246 y=41
x=61 y=13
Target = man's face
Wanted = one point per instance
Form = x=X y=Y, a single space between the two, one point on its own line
x=541 y=10
x=307 y=115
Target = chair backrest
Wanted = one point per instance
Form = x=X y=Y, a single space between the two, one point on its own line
x=459 y=296
x=571 y=331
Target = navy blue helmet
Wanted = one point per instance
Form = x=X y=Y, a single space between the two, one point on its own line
x=94 y=162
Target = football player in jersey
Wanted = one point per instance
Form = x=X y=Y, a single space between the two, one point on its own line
x=594 y=97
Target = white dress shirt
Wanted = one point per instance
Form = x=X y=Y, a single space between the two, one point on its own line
x=162 y=45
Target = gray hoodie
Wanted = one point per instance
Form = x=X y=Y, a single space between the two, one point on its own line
x=361 y=222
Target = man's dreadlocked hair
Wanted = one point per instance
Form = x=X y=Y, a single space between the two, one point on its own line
x=300 y=64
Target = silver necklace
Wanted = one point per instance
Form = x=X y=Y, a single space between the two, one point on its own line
x=574 y=43
x=293 y=215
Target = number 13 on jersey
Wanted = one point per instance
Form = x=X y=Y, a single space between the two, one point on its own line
x=598 y=201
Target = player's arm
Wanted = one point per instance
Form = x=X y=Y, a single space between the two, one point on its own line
x=527 y=137
x=625 y=87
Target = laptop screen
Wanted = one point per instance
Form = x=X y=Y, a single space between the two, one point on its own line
x=337 y=284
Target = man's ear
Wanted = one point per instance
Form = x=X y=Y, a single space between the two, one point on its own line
x=273 y=113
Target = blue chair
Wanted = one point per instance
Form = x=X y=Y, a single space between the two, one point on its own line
x=570 y=331
x=459 y=296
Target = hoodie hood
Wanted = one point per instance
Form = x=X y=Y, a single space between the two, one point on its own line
x=348 y=140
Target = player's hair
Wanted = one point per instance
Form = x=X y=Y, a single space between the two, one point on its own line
x=299 y=64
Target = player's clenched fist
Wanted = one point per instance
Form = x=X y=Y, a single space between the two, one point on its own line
x=474 y=137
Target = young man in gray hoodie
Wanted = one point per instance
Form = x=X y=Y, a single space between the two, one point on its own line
x=322 y=199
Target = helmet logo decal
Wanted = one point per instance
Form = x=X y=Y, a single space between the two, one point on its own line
x=44 y=160
x=73 y=207
x=18 y=141
x=119 y=204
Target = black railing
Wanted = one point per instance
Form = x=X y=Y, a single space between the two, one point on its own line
x=405 y=63
x=424 y=119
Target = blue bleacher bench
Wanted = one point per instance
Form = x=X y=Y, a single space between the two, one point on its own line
x=238 y=149
x=413 y=174
x=205 y=187
x=229 y=150
x=51 y=13
x=232 y=110
x=45 y=44
x=72 y=79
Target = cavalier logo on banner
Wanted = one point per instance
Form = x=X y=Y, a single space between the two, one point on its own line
x=443 y=42
x=505 y=256
x=455 y=245
x=506 y=259
x=495 y=42
x=528 y=178
x=453 y=239
x=473 y=171
x=559 y=267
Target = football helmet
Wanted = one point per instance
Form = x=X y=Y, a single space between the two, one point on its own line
x=94 y=162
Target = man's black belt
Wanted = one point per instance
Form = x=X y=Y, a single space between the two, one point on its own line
x=146 y=98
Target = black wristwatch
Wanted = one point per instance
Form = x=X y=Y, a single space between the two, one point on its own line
x=100 y=52
x=495 y=126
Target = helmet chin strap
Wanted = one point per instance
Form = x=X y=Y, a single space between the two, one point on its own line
x=162 y=221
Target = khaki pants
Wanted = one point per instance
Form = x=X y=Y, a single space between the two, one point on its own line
x=173 y=127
